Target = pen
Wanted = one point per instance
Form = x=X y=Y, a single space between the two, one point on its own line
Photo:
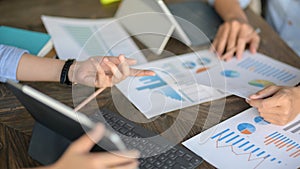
x=87 y=100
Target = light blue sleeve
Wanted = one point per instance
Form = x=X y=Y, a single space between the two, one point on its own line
x=243 y=3
x=9 y=60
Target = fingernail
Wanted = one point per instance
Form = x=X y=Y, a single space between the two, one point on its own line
x=254 y=96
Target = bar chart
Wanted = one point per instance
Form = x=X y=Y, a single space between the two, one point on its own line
x=265 y=69
x=241 y=146
x=283 y=143
x=157 y=84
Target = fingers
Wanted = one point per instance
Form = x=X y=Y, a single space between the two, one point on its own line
x=267 y=103
x=272 y=114
x=267 y=92
x=86 y=142
x=229 y=54
x=116 y=60
x=232 y=40
x=132 y=165
x=139 y=72
x=241 y=45
x=124 y=66
x=113 y=68
x=254 y=43
x=118 y=158
x=220 y=40
x=234 y=36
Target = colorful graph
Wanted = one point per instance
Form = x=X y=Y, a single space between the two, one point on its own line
x=261 y=83
x=264 y=69
x=246 y=128
x=240 y=146
x=204 y=61
x=189 y=65
x=283 y=143
x=159 y=85
x=260 y=120
x=230 y=73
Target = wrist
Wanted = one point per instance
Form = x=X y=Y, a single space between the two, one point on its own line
x=67 y=72
x=238 y=19
x=71 y=73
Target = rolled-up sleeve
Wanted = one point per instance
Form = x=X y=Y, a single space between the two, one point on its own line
x=243 y=3
x=9 y=60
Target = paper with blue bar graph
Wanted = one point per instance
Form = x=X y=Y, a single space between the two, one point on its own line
x=174 y=86
x=82 y=38
x=250 y=74
x=248 y=141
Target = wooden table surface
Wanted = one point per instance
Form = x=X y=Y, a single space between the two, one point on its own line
x=16 y=123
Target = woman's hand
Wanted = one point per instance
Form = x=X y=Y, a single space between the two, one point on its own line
x=276 y=104
x=104 y=71
x=232 y=38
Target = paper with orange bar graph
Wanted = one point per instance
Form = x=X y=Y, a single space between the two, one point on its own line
x=248 y=141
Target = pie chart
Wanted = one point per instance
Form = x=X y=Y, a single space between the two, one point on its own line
x=246 y=128
x=260 y=83
x=260 y=120
x=189 y=65
x=204 y=61
x=230 y=73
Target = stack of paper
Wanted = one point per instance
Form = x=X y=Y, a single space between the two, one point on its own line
x=248 y=141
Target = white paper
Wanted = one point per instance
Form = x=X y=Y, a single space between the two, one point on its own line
x=174 y=86
x=265 y=146
x=250 y=74
x=82 y=38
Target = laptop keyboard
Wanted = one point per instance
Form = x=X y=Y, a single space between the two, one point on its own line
x=158 y=153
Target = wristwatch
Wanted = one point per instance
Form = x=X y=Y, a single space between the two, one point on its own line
x=64 y=79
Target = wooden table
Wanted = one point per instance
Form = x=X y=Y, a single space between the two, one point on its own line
x=16 y=123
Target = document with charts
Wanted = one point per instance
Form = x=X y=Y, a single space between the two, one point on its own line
x=250 y=74
x=82 y=38
x=248 y=141
x=174 y=86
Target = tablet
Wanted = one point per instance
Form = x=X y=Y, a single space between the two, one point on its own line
x=147 y=22
x=60 y=118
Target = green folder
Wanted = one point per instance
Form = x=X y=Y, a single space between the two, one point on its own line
x=36 y=43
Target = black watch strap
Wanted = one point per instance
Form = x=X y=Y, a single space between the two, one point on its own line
x=64 y=79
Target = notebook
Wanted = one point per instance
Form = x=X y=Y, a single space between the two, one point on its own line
x=36 y=43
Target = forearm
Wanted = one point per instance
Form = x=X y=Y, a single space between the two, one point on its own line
x=230 y=10
x=32 y=68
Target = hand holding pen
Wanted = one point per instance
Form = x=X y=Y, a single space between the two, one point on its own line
x=106 y=72
x=277 y=104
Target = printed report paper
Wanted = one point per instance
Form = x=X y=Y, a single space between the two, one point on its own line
x=248 y=141
x=175 y=85
x=249 y=75
x=82 y=38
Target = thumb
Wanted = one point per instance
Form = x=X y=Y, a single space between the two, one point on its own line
x=86 y=142
x=267 y=92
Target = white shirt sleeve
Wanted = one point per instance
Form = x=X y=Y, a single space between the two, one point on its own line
x=9 y=60
x=243 y=3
